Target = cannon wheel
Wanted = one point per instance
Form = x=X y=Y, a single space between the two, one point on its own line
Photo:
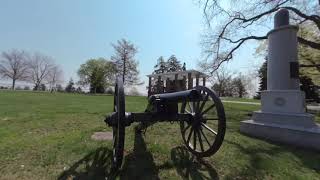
x=119 y=128
x=203 y=134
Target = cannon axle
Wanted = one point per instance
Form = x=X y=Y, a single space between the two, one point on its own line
x=129 y=118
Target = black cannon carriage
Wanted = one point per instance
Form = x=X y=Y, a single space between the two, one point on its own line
x=199 y=111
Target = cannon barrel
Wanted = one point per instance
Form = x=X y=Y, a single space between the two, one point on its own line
x=181 y=96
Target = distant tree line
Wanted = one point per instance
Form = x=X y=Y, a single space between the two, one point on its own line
x=35 y=68
x=97 y=74
x=226 y=84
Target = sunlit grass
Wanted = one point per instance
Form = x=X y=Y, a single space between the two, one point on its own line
x=47 y=136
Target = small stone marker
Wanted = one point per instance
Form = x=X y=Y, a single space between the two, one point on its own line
x=102 y=136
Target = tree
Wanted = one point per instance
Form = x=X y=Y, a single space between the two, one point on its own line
x=26 y=88
x=43 y=87
x=173 y=64
x=59 y=88
x=79 y=90
x=161 y=66
x=13 y=65
x=98 y=73
x=229 y=27
x=124 y=59
x=262 y=73
x=70 y=87
x=238 y=87
x=55 y=77
x=309 y=58
x=222 y=82
x=309 y=88
x=134 y=92
x=40 y=67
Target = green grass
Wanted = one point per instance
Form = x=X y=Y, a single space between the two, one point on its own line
x=240 y=99
x=47 y=136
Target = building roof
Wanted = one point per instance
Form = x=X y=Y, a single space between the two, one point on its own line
x=171 y=75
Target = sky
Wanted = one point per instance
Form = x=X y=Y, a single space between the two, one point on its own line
x=73 y=31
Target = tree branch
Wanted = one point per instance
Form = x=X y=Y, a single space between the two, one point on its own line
x=311 y=44
x=239 y=42
x=315 y=18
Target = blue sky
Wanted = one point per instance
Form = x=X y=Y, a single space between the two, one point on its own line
x=73 y=31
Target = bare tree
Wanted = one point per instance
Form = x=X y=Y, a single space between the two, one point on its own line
x=13 y=66
x=231 y=23
x=55 y=77
x=220 y=79
x=40 y=68
x=124 y=59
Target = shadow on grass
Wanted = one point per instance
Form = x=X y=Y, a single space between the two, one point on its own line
x=95 y=165
x=190 y=167
x=262 y=158
x=139 y=164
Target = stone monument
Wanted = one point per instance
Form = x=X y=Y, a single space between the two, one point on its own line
x=283 y=116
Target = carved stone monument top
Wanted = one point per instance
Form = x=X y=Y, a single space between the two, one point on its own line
x=281 y=18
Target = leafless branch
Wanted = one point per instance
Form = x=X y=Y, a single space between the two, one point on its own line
x=13 y=65
x=40 y=67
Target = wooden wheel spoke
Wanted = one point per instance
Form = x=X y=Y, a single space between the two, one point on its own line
x=209 y=129
x=185 y=129
x=194 y=106
x=205 y=137
x=189 y=136
x=195 y=139
x=191 y=109
x=200 y=140
x=204 y=102
x=188 y=112
x=203 y=127
x=208 y=109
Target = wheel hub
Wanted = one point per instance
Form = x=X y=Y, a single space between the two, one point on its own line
x=197 y=120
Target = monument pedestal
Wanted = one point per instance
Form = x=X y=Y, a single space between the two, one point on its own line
x=284 y=133
x=283 y=119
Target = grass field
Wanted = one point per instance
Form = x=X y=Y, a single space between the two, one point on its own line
x=47 y=136
x=241 y=99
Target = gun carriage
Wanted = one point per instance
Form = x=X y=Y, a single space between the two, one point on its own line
x=199 y=112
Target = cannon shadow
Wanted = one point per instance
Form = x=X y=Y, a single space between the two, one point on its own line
x=191 y=167
x=139 y=164
x=95 y=165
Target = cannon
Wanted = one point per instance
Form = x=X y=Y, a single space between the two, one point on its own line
x=199 y=112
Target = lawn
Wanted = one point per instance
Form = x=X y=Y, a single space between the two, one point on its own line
x=241 y=99
x=47 y=136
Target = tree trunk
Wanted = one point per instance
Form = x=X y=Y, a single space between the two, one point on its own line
x=37 y=87
x=13 y=83
x=124 y=70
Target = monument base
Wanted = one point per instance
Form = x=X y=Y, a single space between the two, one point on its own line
x=293 y=129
